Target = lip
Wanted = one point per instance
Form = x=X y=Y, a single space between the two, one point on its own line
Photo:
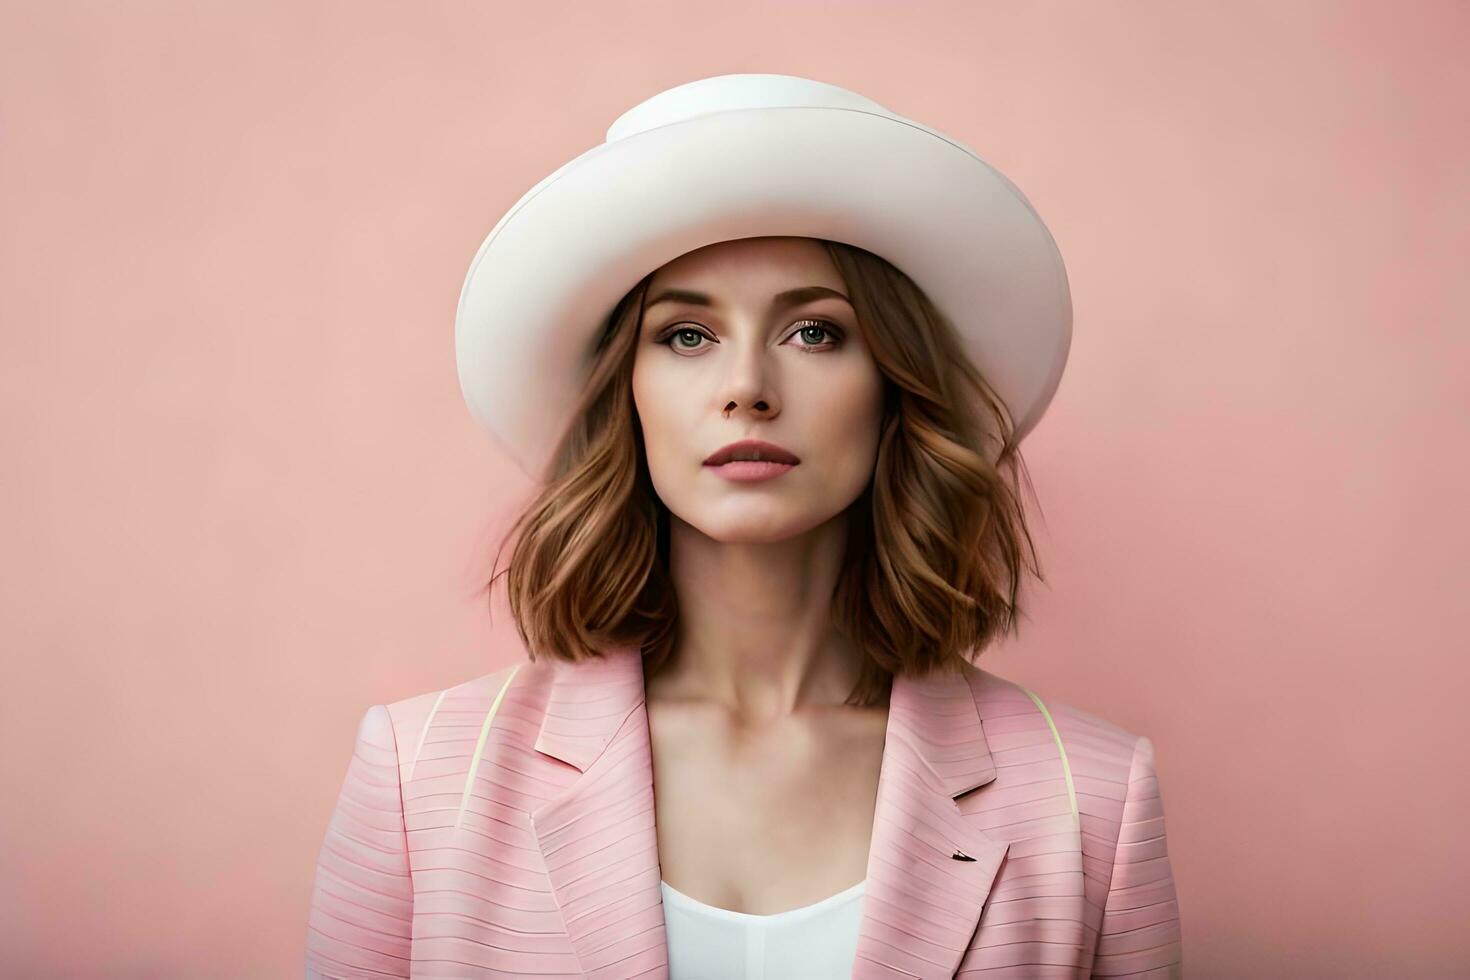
x=770 y=453
x=751 y=470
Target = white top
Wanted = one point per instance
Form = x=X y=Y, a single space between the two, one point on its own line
x=816 y=941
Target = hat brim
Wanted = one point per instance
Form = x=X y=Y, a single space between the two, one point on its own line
x=546 y=277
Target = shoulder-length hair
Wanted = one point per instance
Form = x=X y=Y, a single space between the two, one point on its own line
x=936 y=542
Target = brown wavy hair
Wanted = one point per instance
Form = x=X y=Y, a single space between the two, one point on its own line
x=936 y=542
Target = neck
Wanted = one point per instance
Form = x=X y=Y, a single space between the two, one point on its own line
x=755 y=632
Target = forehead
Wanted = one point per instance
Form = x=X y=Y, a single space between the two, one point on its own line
x=761 y=264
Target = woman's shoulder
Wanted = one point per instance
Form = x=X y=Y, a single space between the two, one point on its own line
x=474 y=688
x=1006 y=705
x=449 y=715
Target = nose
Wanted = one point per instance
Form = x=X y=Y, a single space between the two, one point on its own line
x=760 y=408
x=748 y=389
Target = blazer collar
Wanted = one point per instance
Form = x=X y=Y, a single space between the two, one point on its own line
x=930 y=868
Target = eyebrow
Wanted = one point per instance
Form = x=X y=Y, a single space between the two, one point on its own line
x=790 y=298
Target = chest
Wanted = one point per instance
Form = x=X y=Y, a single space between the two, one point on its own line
x=764 y=821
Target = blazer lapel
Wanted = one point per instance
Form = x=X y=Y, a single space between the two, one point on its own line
x=598 y=838
x=929 y=871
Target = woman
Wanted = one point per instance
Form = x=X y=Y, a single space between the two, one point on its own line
x=768 y=352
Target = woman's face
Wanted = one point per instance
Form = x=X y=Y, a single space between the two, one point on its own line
x=727 y=352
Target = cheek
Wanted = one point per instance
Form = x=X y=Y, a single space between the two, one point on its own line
x=847 y=411
x=660 y=408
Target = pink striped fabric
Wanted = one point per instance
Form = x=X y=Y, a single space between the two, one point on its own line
x=505 y=827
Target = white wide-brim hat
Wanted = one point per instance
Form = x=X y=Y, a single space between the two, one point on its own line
x=740 y=156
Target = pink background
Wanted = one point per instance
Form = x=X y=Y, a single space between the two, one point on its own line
x=242 y=499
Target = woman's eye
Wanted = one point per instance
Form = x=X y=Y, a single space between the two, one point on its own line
x=812 y=332
x=686 y=338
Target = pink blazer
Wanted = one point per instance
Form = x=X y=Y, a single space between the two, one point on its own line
x=505 y=827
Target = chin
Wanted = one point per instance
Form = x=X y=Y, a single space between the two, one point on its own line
x=754 y=524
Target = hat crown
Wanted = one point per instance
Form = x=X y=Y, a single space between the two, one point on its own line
x=722 y=93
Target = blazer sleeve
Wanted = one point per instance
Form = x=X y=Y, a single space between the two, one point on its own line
x=1140 y=927
x=361 y=918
